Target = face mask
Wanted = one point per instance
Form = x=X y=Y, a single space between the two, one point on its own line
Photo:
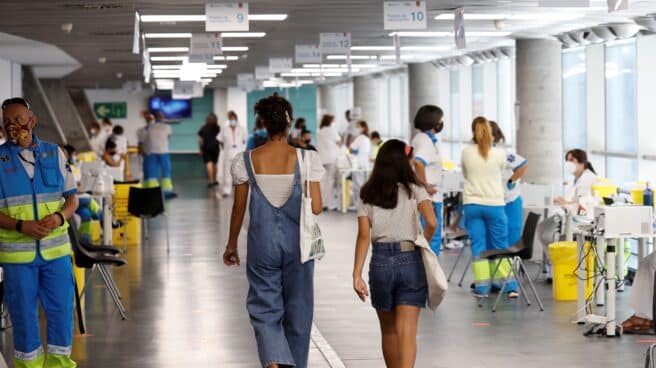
x=19 y=134
x=233 y=123
x=439 y=127
x=72 y=161
x=261 y=132
x=570 y=167
x=307 y=141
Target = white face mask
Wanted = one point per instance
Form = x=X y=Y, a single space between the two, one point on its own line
x=570 y=167
x=233 y=123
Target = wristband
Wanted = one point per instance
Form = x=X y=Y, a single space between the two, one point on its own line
x=19 y=226
x=61 y=217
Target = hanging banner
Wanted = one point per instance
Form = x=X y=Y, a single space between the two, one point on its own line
x=204 y=47
x=136 y=37
x=616 y=5
x=307 y=54
x=397 y=48
x=262 y=73
x=226 y=17
x=459 y=28
x=335 y=43
x=564 y=3
x=147 y=69
x=402 y=15
x=186 y=89
x=280 y=65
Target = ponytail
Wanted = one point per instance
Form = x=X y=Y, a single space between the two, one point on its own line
x=482 y=135
x=581 y=157
x=589 y=167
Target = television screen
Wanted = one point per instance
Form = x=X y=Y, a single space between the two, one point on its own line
x=171 y=108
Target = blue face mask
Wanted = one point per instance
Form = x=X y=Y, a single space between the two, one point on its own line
x=261 y=132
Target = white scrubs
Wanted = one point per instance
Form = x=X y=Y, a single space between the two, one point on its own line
x=234 y=142
x=428 y=154
x=581 y=187
x=327 y=146
x=361 y=145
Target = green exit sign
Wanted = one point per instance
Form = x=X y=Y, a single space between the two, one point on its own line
x=112 y=110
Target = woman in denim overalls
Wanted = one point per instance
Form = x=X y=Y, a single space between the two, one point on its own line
x=280 y=298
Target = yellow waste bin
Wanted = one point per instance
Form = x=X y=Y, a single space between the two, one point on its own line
x=564 y=263
x=132 y=225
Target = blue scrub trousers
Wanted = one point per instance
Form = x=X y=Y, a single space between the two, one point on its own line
x=515 y=215
x=51 y=283
x=436 y=241
x=157 y=166
x=487 y=227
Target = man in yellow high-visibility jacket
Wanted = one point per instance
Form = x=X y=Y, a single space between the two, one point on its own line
x=37 y=196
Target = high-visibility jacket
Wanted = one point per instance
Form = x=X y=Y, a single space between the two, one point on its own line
x=22 y=198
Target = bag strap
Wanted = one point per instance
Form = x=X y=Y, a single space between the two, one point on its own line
x=305 y=179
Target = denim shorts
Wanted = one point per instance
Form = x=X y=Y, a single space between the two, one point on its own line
x=396 y=277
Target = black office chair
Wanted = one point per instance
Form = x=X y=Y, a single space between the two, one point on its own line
x=148 y=203
x=95 y=257
x=515 y=256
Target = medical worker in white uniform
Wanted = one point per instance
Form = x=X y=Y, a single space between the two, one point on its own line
x=232 y=138
x=580 y=184
x=361 y=149
x=428 y=161
x=516 y=166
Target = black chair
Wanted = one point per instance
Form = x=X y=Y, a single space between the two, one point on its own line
x=515 y=256
x=95 y=257
x=148 y=203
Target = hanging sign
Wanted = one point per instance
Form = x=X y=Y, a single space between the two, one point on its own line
x=399 y=15
x=335 y=43
x=147 y=68
x=616 y=5
x=280 y=65
x=262 y=73
x=204 y=47
x=308 y=54
x=226 y=17
x=186 y=89
x=564 y=3
x=459 y=28
x=136 y=36
x=397 y=48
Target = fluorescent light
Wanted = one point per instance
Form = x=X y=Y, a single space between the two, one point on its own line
x=164 y=83
x=292 y=75
x=393 y=57
x=372 y=48
x=487 y=34
x=243 y=34
x=425 y=48
x=216 y=66
x=201 y=18
x=169 y=58
x=235 y=48
x=353 y=57
x=206 y=80
x=226 y=58
x=167 y=35
x=168 y=49
x=523 y=16
x=165 y=67
x=421 y=34
x=314 y=66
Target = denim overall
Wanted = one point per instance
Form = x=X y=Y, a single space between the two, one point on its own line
x=281 y=294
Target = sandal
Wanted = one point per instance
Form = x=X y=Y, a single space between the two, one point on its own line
x=636 y=324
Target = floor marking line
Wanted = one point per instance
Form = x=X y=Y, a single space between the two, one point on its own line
x=334 y=361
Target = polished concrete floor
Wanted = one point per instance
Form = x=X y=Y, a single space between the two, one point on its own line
x=186 y=309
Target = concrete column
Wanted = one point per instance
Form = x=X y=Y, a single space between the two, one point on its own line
x=539 y=98
x=365 y=97
x=423 y=82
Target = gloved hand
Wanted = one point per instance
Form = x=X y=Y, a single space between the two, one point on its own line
x=511 y=185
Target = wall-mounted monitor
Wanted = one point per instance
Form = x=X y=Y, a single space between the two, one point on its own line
x=171 y=108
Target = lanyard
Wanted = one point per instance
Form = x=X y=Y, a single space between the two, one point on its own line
x=20 y=155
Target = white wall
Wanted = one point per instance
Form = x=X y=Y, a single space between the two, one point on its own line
x=136 y=103
x=10 y=75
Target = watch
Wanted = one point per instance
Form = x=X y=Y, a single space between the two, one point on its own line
x=19 y=226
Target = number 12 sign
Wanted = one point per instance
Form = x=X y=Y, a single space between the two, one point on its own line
x=400 y=15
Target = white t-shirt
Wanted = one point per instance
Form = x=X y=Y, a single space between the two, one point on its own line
x=581 y=187
x=428 y=154
x=353 y=128
x=121 y=144
x=98 y=142
x=70 y=185
x=362 y=145
x=155 y=138
x=277 y=188
x=234 y=141
x=513 y=163
x=483 y=177
x=327 y=139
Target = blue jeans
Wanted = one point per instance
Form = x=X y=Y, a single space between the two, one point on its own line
x=396 y=278
x=436 y=241
x=281 y=294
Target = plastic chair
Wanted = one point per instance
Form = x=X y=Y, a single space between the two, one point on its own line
x=95 y=257
x=515 y=256
x=148 y=203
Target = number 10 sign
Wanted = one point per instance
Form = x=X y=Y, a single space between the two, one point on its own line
x=401 y=15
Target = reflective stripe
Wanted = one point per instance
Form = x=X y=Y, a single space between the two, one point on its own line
x=56 y=241
x=49 y=197
x=17 y=247
x=59 y=350
x=17 y=201
x=28 y=356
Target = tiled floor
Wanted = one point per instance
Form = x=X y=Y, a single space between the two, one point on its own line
x=187 y=310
